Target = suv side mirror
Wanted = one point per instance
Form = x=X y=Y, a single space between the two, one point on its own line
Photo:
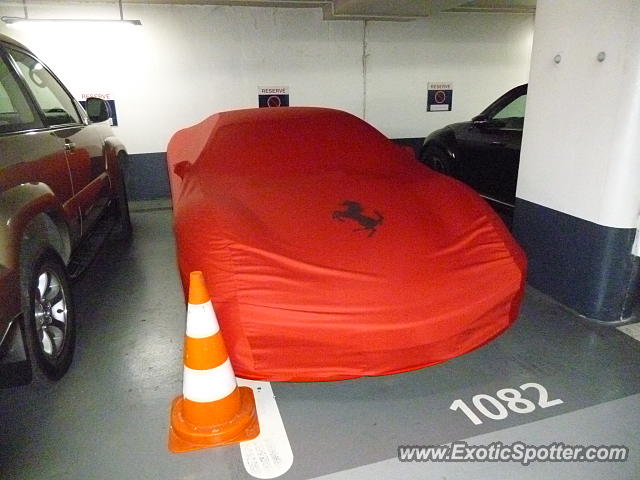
x=98 y=110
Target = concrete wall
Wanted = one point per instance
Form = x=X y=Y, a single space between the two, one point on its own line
x=187 y=62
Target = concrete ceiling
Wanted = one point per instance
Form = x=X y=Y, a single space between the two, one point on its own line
x=394 y=10
x=412 y=9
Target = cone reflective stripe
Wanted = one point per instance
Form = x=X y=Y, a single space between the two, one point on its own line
x=212 y=410
x=209 y=385
x=202 y=321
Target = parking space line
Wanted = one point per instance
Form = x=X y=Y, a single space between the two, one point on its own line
x=269 y=455
x=633 y=330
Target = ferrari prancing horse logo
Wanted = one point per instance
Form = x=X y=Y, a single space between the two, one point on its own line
x=353 y=210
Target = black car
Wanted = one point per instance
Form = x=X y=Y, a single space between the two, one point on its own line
x=485 y=152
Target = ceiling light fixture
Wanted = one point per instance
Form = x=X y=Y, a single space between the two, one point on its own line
x=16 y=20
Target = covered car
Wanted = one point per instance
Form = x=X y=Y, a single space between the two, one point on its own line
x=330 y=252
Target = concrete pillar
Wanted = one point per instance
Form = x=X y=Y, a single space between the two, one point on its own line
x=578 y=196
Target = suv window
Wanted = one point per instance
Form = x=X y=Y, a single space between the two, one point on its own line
x=54 y=101
x=15 y=112
x=513 y=113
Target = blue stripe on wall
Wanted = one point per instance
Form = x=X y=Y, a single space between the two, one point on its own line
x=146 y=176
x=586 y=266
x=147 y=179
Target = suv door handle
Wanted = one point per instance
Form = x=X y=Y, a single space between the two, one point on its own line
x=69 y=145
x=498 y=144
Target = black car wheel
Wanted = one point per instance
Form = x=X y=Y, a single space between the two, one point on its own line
x=437 y=159
x=48 y=314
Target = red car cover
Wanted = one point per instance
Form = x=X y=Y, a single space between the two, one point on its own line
x=330 y=252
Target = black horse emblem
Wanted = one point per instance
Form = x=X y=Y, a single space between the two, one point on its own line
x=353 y=211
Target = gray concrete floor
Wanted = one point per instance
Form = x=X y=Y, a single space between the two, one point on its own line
x=108 y=418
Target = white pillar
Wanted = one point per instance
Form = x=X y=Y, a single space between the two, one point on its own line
x=578 y=196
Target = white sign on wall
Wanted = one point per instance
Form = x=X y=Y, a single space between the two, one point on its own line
x=439 y=96
x=273 y=97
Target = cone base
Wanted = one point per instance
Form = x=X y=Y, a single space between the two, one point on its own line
x=185 y=437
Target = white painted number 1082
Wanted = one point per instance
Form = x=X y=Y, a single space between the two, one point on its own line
x=492 y=408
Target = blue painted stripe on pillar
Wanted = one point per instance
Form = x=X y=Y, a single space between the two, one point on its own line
x=586 y=266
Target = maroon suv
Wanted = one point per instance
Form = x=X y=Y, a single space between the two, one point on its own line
x=59 y=178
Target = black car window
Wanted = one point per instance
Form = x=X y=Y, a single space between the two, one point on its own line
x=512 y=114
x=53 y=100
x=15 y=112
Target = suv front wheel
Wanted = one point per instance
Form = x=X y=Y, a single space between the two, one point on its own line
x=48 y=315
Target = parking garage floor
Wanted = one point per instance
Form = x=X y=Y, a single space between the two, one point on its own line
x=108 y=418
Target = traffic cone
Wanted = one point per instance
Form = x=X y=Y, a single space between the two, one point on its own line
x=213 y=410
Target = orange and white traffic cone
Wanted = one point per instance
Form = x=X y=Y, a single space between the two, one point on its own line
x=213 y=410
